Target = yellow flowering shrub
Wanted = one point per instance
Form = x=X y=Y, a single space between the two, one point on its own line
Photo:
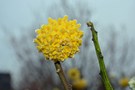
x=59 y=39
x=123 y=82
x=74 y=74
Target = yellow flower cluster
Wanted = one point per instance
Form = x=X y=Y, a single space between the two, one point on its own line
x=78 y=83
x=74 y=74
x=59 y=39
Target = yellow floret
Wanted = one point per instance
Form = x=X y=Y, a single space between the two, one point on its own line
x=80 y=84
x=74 y=74
x=123 y=82
x=59 y=39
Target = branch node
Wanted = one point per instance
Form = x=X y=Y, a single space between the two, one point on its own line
x=89 y=24
x=58 y=70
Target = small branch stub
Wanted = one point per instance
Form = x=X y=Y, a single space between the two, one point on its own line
x=90 y=24
x=58 y=70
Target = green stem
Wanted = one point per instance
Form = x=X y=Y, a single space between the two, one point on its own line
x=62 y=77
x=103 y=72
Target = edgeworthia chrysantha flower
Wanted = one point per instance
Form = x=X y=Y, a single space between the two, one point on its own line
x=59 y=39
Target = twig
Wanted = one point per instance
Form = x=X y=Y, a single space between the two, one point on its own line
x=60 y=72
x=103 y=72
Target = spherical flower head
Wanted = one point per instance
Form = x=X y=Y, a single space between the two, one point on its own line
x=59 y=39
x=74 y=74
x=132 y=83
x=80 y=84
x=123 y=82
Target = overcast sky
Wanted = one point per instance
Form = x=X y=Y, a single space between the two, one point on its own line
x=15 y=14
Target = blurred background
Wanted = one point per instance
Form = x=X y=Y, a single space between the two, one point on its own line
x=23 y=68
